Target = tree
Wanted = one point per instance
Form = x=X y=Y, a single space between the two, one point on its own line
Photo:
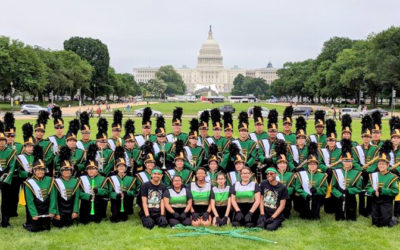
x=238 y=83
x=172 y=79
x=96 y=53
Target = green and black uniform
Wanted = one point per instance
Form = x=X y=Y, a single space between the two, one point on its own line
x=77 y=160
x=67 y=200
x=221 y=198
x=288 y=179
x=382 y=205
x=314 y=193
x=245 y=198
x=105 y=161
x=178 y=202
x=185 y=174
x=40 y=198
x=97 y=185
x=345 y=186
x=118 y=184
x=7 y=168
x=201 y=197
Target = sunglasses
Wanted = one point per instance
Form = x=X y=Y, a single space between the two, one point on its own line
x=59 y=127
x=160 y=136
x=12 y=136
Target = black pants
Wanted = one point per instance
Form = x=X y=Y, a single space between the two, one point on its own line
x=84 y=211
x=364 y=201
x=297 y=202
x=14 y=196
x=65 y=220
x=116 y=214
x=5 y=201
x=329 y=205
x=396 y=208
x=350 y=209
x=173 y=222
x=315 y=203
x=381 y=213
x=155 y=218
x=275 y=224
x=288 y=208
x=40 y=224
x=245 y=208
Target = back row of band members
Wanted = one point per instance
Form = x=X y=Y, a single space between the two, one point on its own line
x=239 y=200
x=197 y=147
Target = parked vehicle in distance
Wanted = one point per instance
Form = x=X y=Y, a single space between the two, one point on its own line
x=27 y=109
x=352 y=112
x=139 y=113
x=302 y=110
x=227 y=108
x=382 y=111
x=201 y=111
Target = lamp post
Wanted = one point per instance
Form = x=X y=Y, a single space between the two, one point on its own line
x=12 y=96
x=94 y=96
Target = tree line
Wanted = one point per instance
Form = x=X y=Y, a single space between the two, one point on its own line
x=83 y=64
x=345 y=68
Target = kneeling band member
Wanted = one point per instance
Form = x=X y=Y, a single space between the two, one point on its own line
x=178 y=203
x=201 y=192
x=221 y=201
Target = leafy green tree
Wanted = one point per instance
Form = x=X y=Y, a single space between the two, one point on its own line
x=172 y=79
x=96 y=53
x=238 y=83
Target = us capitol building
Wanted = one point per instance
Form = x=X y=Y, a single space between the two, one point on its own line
x=210 y=73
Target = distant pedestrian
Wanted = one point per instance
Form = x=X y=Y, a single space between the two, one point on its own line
x=307 y=113
x=98 y=112
x=334 y=113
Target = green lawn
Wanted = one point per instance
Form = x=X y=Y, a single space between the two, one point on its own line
x=295 y=234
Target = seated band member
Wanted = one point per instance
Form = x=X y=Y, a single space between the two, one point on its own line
x=122 y=189
x=40 y=198
x=201 y=192
x=274 y=196
x=152 y=208
x=245 y=198
x=346 y=184
x=383 y=187
x=178 y=203
x=221 y=201
x=94 y=190
x=67 y=189
x=311 y=185
x=395 y=139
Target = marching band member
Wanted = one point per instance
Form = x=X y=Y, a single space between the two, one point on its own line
x=46 y=144
x=228 y=129
x=311 y=185
x=246 y=145
x=217 y=138
x=346 y=184
x=245 y=198
x=10 y=133
x=7 y=167
x=163 y=150
x=77 y=156
x=266 y=148
x=365 y=155
x=221 y=201
x=177 y=127
x=194 y=153
x=146 y=128
x=179 y=169
x=287 y=134
x=67 y=192
x=383 y=187
x=132 y=151
x=94 y=190
x=58 y=140
x=259 y=132
x=346 y=129
x=394 y=124
x=178 y=203
x=104 y=156
x=319 y=137
x=376 y=129
x=122 y=188
x=116 y=129
x=40 y=197
x=299 y=151
x=201 y=192
x=84 y=143
x=213 y=162
x=203 y=128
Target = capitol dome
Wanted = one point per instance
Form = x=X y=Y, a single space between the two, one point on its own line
x=210 y=54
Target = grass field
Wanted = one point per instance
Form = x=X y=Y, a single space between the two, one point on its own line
x=295 y=233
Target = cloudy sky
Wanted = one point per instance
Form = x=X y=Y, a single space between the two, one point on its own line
x=153 y=33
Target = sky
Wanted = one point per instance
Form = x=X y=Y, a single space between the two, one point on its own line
x=159 y=32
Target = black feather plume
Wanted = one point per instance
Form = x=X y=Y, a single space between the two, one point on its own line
x=281 y=148
x=257 y=113
x=74 y=126
x=160 y=122
x=313 y=149
x=394 y=123
x=386 y=147
x=319 y=115
x=65 y=153
x=178 y=147
x=330 y=127
x=377 y=119
x=37 y=153
x=102 y=126
x=84 y=120
x=91 y=153
x=301 y=124
x=272 y=118
x=177 y=114
x=147 y=148
x=56 y=112
x=129 y=127
x=27 y=131
x=215 y=116
x=194 y=125
x=227 y=119
x=346 y=121
x=147 y=112
x=233 y=149
x=43 y=117
x=213 y=149
x=243 y=117
x=346 y=147
x=9 y=121
x=117 y=118
x=119 y=152
x=205 y=116
x=288 y=112
x=366 y=123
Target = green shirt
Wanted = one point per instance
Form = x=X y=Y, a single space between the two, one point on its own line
x=126 y=183
x=352 y=180
x=186 y=175
x=319 y=182
x=100 y=182
x=70 y=190
x=23 y=165
x=18 y=147
x=7 y=164
x=77 y=160
x=320 y=139
x=387 y=182
x=105 y=159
